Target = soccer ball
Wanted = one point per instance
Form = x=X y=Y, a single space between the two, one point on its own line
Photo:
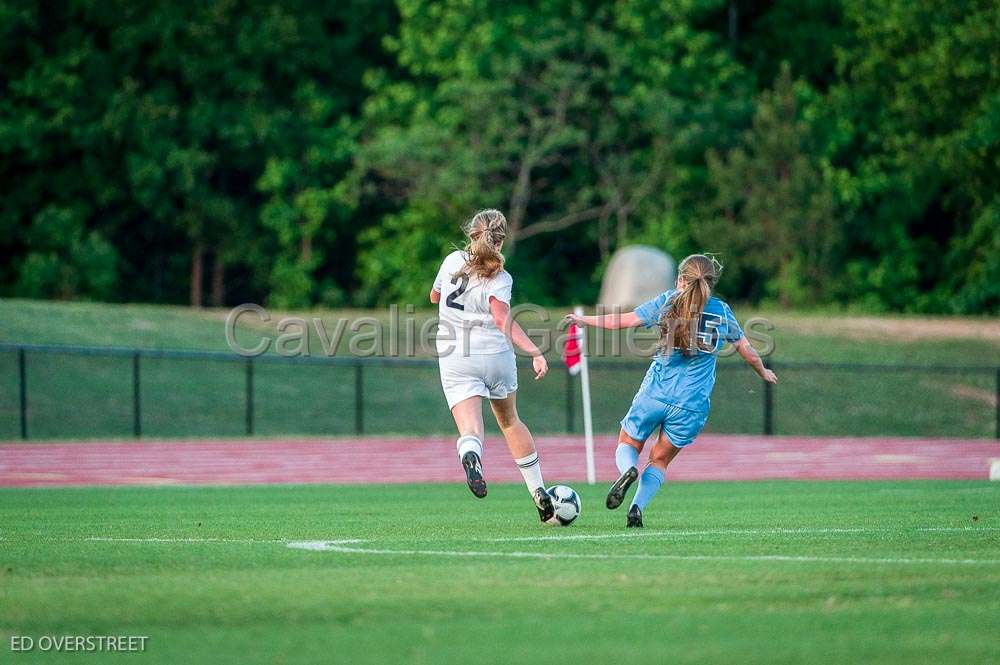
x=567 y=504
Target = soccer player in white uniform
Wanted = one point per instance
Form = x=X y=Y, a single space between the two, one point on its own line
x=475 y=332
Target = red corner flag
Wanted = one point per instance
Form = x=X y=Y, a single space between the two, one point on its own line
x=571 y=352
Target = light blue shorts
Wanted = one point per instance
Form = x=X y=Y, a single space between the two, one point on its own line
x=679 y=425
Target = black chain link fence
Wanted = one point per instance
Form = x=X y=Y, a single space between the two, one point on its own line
x=62 y=392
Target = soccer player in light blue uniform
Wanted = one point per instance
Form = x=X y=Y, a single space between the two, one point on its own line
x=675 y=395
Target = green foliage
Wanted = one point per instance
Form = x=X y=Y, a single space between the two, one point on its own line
x=181 y=130
x=65 y=261
x=920 y=92
x=838 y=152
x=576 y=119
x=772 y=217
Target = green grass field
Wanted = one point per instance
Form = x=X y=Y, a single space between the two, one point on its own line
x=88 y=397
x=780 y=572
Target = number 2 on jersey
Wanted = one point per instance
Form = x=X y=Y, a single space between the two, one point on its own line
x=450 y=300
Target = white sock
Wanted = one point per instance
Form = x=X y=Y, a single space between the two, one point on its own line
x=531 y=470
x=467 y=443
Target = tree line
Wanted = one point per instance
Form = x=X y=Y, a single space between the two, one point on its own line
x=841 y=153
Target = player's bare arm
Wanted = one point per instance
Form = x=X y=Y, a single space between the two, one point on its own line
x=501 y=317
x=435 y=296
x=752 y=358
x=614 y=321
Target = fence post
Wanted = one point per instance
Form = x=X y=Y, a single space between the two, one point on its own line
x=249 y=396
x=768 y=406
x=136 y=398
x=570 y=402
x=359 y=399
x=23 y=380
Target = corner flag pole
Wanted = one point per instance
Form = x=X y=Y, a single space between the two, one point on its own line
x=588 y=426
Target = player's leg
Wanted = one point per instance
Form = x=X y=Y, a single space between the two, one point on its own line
x=627 y=460
x=643 y=418
x=660 y=456
x=522 y=449
x=519 y=440
x=468 y=416
x=464 y=388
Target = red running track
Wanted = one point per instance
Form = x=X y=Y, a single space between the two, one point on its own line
x=433 y=459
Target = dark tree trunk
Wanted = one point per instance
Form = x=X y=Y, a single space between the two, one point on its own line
x=306 y=249
x=603 y=239
x=622 y=229
x=734 y=22
x=218 y=281
x=197 y=271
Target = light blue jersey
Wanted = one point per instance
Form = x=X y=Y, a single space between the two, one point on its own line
x=676 y=391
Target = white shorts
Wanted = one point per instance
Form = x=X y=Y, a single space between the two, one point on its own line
x=489 y=375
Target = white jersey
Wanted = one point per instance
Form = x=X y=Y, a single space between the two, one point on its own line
x=465 y=323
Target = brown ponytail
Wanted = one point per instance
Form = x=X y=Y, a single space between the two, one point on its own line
x=485 y=232
x=679 y=325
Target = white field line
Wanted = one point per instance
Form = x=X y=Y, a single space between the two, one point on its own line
x=633 y=535
x=661 y=535
x=246 y=541
x=342 y=547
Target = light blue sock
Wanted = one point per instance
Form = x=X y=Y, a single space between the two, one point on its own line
x=626 y=456
x=649 y=485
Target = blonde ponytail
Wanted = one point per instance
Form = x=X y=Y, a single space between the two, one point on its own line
x=679 y=325
x=485 y=233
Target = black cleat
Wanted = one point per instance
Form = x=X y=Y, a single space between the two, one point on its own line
x=543 y=502
x=634 y=518
x=616 y=495
x=474 y=473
